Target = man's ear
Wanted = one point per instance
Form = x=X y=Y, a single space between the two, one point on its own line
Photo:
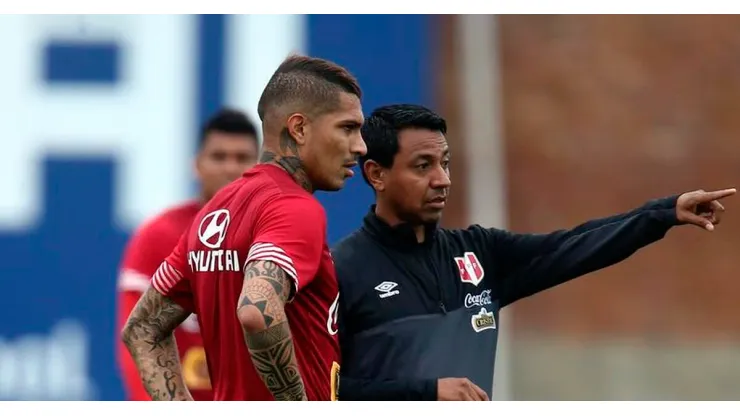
x=296 y=127
x=196 y=165
x=375 y=175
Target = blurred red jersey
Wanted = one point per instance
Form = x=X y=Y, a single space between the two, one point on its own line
x=145 y=251
x=265 y=215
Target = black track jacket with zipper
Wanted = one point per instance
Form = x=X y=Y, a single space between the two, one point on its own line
x=411 y=313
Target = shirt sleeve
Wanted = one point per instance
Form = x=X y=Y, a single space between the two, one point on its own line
x=141 y=258
x=172 y=278
x=291 y=233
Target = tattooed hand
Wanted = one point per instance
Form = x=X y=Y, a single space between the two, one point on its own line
x=261 y=312
x=148 y=337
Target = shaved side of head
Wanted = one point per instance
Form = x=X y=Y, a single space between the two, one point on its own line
x=306 y=85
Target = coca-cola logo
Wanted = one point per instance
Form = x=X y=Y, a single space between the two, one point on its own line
x=481 y=299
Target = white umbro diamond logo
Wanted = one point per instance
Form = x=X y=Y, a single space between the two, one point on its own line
x=387 y=289
x=386 y=286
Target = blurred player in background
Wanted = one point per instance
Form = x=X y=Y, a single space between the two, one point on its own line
x=255 y=265
x=228 y=146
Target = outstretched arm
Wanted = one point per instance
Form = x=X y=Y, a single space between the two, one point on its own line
x=611 y=243
x=698 y=208
x=149 y=338
x=261 y=312
x=520 y=249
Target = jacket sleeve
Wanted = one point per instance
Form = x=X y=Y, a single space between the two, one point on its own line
x=351 y=389
x=538 y=263
x=522 y=248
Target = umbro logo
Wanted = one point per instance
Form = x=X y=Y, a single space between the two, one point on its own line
x=387 y=289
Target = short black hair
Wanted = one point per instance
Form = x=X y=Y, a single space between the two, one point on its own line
x=310 y=82
x=228 y=120
x=381 y=129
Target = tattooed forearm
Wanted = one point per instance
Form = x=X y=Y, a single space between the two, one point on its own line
x=289 y=160
x=148 y=337
x=266 y=331
x=274 y=359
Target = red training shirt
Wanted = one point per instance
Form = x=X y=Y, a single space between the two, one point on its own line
x=264 y=215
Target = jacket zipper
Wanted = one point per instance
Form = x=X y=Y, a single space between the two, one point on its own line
x=440 y=294
x=424 y=256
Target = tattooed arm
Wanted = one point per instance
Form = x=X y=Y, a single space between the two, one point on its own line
x=148 y=337
x=261 y=313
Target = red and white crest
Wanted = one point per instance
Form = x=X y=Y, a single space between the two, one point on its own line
x=470 y=269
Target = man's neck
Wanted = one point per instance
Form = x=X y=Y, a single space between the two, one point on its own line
x=291 y=164
x=393 y=220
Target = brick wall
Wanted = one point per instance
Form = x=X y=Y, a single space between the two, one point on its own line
x=602 y=113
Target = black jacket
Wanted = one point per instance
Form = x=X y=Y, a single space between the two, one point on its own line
x=412 y=313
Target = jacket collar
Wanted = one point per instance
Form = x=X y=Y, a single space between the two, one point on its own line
x=400 y=236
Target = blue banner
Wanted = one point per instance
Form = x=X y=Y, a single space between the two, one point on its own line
x=98 y=126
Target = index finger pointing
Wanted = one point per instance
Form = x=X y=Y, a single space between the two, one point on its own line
x=714 y=195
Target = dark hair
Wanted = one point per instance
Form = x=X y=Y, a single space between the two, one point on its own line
x=313 y=83
x=381 y=129
x=228 y=120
